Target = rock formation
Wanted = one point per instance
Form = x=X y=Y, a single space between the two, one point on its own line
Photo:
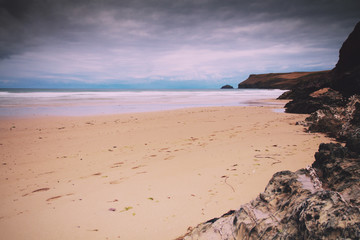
x=313 y=101
x=346 y=73
x=227 y=87
x=344 y=78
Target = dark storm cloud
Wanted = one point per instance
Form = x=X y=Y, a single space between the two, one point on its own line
x=162 y=38
x=28 y=23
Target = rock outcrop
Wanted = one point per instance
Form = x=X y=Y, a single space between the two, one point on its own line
x=283 y=81
x=227 y=87
x=346 y=74
x=344 y=79
x=320 y=202
x=322 y=98
x=342 y=123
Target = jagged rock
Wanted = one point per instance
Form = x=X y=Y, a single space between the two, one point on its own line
x=302 y=106
x=353 y=141
x=310 y=203
x=339 y=170
x=347 y=70
x=313 y=101
x=227 y=87
x=286 y=95
x=344 y=78
x=339 y=122
x=326 y=121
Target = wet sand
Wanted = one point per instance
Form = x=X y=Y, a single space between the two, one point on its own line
x=140 y=176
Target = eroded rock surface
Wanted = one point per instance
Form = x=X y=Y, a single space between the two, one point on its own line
x=337 y=121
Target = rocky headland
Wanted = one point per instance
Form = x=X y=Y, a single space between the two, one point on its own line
x=322 y=200
x=284 y=81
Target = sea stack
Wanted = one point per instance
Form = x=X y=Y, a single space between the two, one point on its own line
x=227 y=87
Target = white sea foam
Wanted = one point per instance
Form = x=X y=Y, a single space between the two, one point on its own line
x=108 y=102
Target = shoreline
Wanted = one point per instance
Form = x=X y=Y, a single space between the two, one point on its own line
x=69 y=103
x=141 y=175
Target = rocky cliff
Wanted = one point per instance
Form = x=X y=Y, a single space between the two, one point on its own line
x=321 y=201
x=343 y=79
x=283 y=81
x=346 y=74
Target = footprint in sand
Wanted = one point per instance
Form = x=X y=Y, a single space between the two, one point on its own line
x=57 y=197
x=169 y=157
x=37 y=190
x=53 y=198
x=139 y=166
x=40 y=190
x=116 y=181
x=117 y=164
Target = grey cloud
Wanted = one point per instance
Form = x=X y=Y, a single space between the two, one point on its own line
x=28 y=23
x=139 y=30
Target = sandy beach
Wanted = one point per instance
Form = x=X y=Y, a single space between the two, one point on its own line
x=140 y=176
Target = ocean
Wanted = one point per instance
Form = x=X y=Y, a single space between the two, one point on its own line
x=82 y=102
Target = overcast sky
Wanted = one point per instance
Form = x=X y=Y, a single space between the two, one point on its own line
x=167 y=43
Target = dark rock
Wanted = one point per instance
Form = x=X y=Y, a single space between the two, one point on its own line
x=227 y=87
x=339 y=170
x=302 y=102
x=286 y=95
x=325 y=121
x=353 y=141
x=344 y=78
x=347 y=70
x=320 y=99
x=302 y=106
x=314 y=203
x=341 y=122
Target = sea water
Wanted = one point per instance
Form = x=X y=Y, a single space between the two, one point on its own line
x=81 y=102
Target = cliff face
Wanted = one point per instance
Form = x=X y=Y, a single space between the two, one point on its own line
x=344 y=79
x=283 y=81
x=346 y=74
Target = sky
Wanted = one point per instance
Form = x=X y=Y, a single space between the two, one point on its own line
x=166 y=43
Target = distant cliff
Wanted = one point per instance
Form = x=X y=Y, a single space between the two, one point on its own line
x=283 y=81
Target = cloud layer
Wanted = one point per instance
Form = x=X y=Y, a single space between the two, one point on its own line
x=68 y=43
